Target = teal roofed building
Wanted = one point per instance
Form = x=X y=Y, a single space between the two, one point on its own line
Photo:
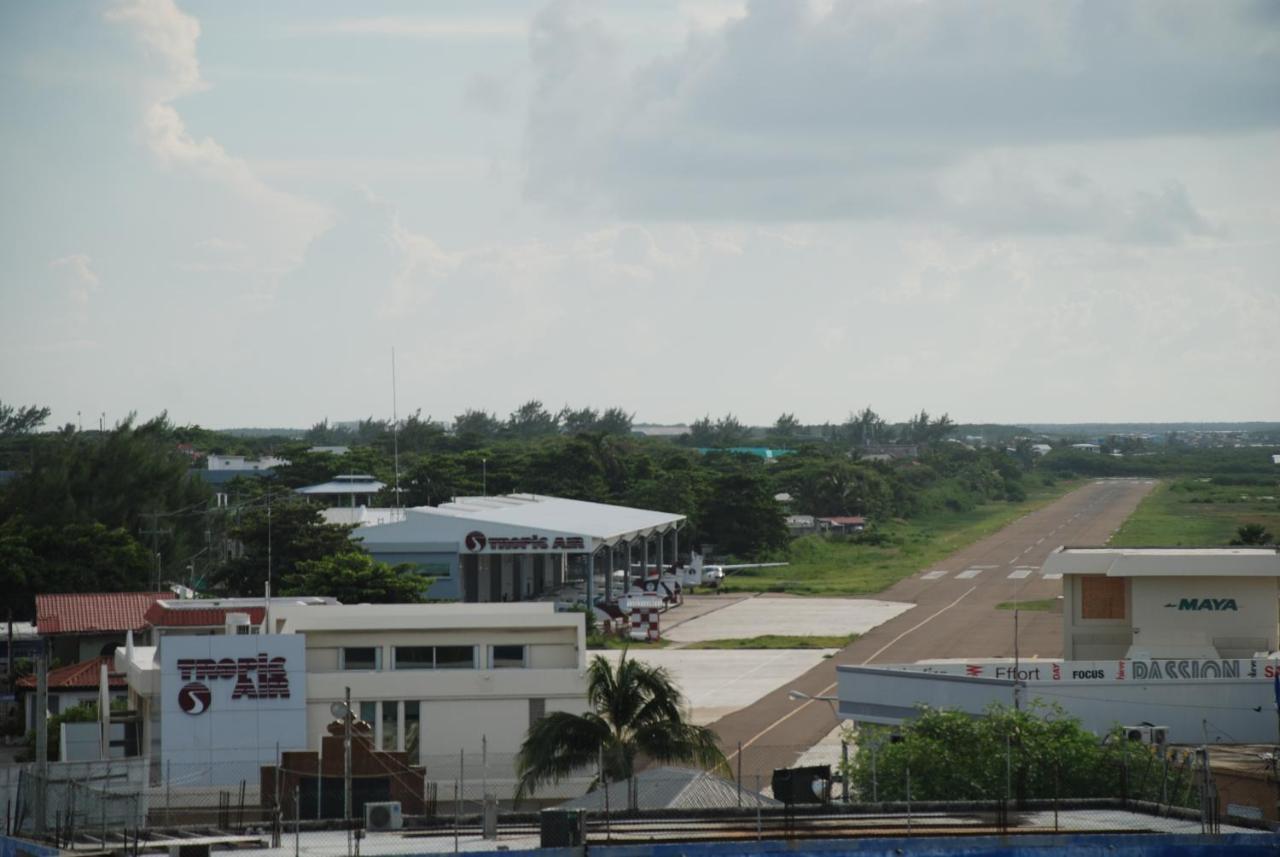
x=765 y=452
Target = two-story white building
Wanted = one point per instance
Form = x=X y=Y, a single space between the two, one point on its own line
x=231 y=684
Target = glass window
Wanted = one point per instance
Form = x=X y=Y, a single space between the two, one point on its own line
x=455 y=657
x=415 y=657
x=508 y=657
x=390 y=724
x=360 y=658
x=369 y=713
x=412 y=721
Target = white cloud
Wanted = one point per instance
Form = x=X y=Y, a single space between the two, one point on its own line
x=429 y=27
x=82 y=281
x=862 y=109
x=283 y=223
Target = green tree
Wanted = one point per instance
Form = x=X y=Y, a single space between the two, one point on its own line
x=21 y=420
x=472 y=428
x=357 y=578
x=288 y=531
x=739 y=515
x=637 y=713
x=532 y=420
x=578 y=421
x=1252 y=534
x=1037 y=752
x=615 y=421
x=786 y=429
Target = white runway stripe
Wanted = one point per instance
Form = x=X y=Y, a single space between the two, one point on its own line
x=933 y=575
x=1053 y=576
x=1019 y=574
x=969 y=574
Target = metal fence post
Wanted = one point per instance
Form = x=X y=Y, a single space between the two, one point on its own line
x=844 y=770
x=759 y=820
x=739 y=775
x=297 y=821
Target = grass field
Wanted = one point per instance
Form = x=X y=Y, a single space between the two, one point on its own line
x=777 y=641
x=1193 y=512
x=824 y=566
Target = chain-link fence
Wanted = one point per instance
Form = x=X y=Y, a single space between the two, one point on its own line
x=380 y=803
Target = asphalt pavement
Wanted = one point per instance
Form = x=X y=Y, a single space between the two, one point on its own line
x=955 y=616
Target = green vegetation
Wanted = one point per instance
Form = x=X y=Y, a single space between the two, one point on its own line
x=638 y=715
x=599 y=641
x=1039 y=752
x=877 y=560
x=778 y=641
x=1200 y=512
x=1043 y=605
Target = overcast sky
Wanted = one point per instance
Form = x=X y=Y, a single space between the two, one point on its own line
x=1058 y=211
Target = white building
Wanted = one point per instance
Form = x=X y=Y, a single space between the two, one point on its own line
x=240 y=462
x=519 y=547
x=1178 y=637
x=219 y=697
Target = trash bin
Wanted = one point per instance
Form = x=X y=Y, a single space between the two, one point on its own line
x=563 y=828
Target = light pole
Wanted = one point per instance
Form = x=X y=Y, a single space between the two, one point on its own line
x=484 y=477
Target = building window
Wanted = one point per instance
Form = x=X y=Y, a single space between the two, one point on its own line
x=537 y=710
x=412 y=723
x=1102 y=597
x=507 y=657
x=360 y=658
x=390 y=724
x=369 y=713
x=435 y=657
x=455 y=657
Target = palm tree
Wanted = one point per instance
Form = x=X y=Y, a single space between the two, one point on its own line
x=637 y=712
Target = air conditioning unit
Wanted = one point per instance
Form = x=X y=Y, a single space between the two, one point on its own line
x=1144 y=734
x=383 y=816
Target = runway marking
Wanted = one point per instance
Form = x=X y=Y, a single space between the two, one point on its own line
x=1015 y=559
x=826 y=690
x=933 y=575
x=1053 y=575
x=969 y=574
x=1019 y=574
x=984 y=566
x=1039 y=540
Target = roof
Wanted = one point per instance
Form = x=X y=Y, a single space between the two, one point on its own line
x=517 y=516
x=1166 y=562
x=765 y=452
x=845 y=520
x=352 y=483
x=79 y=676
x=94 y=612
x=673 y=788
x=167 y=614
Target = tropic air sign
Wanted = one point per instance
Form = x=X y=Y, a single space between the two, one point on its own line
x=260 y=677
x=478 y=542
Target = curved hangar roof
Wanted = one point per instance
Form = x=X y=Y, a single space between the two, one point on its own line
x=519 y=522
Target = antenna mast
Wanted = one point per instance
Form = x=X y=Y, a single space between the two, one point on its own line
x=395 y=425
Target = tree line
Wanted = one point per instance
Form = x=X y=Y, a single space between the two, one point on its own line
x=122 y=509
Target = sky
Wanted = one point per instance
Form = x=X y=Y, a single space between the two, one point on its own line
x=1006 y=211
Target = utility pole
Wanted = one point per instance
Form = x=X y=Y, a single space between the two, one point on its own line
x=155 y=532
x=346 y=758
x=395 y=426
x=42 y=740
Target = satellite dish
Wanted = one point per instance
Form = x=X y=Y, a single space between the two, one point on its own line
x=339 y=710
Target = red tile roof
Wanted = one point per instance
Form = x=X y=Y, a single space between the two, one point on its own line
x=79 y=676
x=162 y=616
x=95 y=612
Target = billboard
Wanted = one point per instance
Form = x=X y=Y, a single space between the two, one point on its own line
x=227 y=702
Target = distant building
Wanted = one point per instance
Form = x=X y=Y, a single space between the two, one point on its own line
x=240 y=463
x=1086 y=447
x=79 y=626
x=765 y=452
x=801 y=525
x=1041 y=449
x=888 y=451
x=353 y=489
x=330 y=450
x=843 y=524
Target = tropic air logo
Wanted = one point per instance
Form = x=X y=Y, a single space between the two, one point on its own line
x=476 y=541
x=256 y=678
x=1218 y=604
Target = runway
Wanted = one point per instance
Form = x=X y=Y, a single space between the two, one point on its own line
x=954 y=616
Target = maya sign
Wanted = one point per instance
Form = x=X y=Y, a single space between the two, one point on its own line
x=260 y=677
x=478 y=542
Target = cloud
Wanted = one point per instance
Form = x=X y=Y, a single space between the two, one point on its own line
x=82 y=282
x=427 y=27
x=862 y=109
x=169 y=38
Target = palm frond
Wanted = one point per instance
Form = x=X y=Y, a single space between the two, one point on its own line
x=556 y=746
x=677 y=741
